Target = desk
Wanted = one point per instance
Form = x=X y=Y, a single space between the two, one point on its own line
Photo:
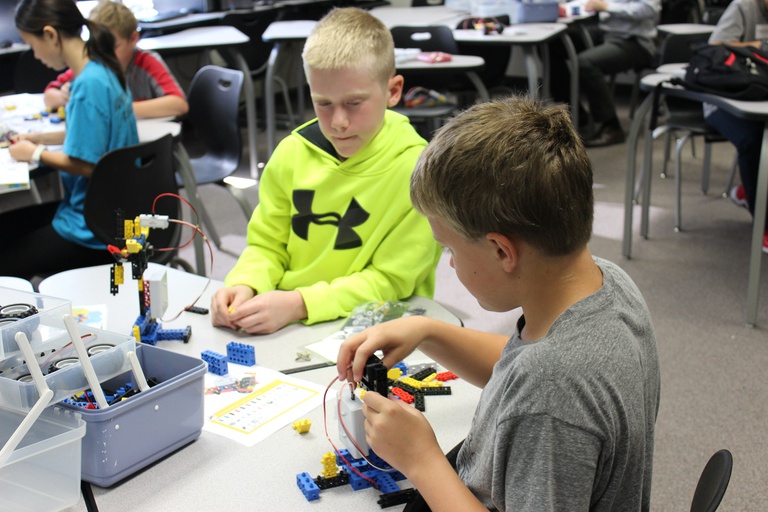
x=226 y=39
x=530 y=37
x=680 y=29
x=753 y=110
x=215 y=473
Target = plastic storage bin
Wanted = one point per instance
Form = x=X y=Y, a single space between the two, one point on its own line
x=109 y=359
x=131 y=434
x=38 y=316
x=533 y=12
x=43 y=473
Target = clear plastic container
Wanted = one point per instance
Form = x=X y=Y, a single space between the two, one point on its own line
x=43 y=473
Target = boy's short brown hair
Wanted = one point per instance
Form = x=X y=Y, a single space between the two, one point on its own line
x=351 y=38
x=512 y=166
x=116 y=17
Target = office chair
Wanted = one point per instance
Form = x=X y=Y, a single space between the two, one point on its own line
x=256 y=52
x=130 y=179
x=432 y=38
x=214 y=98
x=31 y=75
x=713 y=482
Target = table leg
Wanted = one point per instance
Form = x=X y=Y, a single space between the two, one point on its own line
x=250 y=109
x=629 y=196
x=269 y=97
x=573 y=58
x=184 y=168
x=482 y=91
x=758 y=228
x=531 y=66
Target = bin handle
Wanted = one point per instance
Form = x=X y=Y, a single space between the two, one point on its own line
x=46 y=395
x=85 y=362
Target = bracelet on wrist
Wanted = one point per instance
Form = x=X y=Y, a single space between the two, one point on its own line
x=38 y=153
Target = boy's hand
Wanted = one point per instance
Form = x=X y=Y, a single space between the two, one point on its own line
x=386 y=421
x=22 y=150
x=267 y=312
x=226 y=299
x=396 y=338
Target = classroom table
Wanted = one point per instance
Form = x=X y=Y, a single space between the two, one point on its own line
x=226 y=39
x=751 y=110
x=532 y=38
x=215 y=473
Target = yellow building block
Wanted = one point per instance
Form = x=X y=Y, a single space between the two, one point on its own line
x=302 y=426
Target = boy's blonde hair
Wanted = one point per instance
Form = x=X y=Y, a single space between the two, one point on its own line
x=116 y=17
x=351 y=38
x=512 y=166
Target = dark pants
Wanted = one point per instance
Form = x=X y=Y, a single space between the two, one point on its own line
x=32 y=247
x=609 y=56
x=747 y=136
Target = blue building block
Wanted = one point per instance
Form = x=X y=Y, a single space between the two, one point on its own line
x=241 y=353
x=217 y=363
x=175 y=334
x=386 y=483
x=402 y=366
x=308 y=486
x=357 y=482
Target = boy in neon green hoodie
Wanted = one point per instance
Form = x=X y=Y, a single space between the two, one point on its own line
x=335 y=226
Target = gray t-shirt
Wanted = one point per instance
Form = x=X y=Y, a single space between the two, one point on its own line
x=740 y=21
x=566 y=423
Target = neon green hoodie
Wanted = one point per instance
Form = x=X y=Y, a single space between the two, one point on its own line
x=340 y=233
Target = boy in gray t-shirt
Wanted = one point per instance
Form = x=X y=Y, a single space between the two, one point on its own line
x=566 y=419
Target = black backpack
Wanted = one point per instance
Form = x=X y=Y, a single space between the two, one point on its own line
x=736 y=72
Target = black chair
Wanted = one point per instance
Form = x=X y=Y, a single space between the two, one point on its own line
x=130 y=179
x=214 y=98
x=713 y=482
x=431 y=38
x=256 y=52
x=31 y=75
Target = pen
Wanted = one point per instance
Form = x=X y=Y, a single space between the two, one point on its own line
x=308 y=367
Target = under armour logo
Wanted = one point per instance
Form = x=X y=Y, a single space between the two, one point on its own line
x=346 y=238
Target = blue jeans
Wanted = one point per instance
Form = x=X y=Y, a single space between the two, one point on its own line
x=747 y=136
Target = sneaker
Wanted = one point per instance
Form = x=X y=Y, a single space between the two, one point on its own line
x=765 y=242
x=738 y=196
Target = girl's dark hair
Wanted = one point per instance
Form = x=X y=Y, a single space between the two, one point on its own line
x=63 y=15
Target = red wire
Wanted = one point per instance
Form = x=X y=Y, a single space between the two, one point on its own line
x=336 y=450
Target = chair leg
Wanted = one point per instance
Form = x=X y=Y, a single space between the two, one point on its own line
x=679 y=182
x=635 y=94
x=732 y=176
x=667 y=151
x=210 y=230
x=707 y=170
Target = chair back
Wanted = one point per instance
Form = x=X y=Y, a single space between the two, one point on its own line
x=426 y=3
x=676 y=48
x=253 y=24
x=214 y=104
x=713 y=482
x=31 y=75
x=130 y=179
x=428 y=38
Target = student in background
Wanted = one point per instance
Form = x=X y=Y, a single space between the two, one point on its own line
x=624 y=40
x=566 y=418
x=744 y=23
x=47 y=238
x=154 y=89
x=335 y=226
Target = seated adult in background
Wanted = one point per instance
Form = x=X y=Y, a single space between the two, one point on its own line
x=155 y=91
x=625 y=40
x=335 y=226
x=744 y=23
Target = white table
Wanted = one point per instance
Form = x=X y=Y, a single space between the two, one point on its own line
x=752 y=110
x=215 y=473
x=679 y=29
x=227 y=39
